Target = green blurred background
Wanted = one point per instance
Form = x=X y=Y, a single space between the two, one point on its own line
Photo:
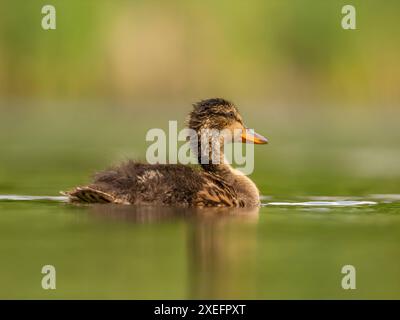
x=269 y=51
x=75 y=99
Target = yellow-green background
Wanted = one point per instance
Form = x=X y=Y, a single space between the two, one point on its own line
x=75 y=99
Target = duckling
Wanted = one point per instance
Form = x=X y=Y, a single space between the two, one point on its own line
x=209 y=184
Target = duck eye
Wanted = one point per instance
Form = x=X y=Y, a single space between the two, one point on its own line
x=231 y=114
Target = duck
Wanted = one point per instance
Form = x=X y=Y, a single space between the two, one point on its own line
x=206 y=184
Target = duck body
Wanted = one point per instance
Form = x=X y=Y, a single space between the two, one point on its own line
x=165 y=184
x=203 y=185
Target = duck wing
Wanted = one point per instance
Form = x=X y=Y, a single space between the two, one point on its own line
x=88 y=194
x=137 y=183
x=216 y=192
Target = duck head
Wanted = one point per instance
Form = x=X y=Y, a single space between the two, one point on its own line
x=221 y=116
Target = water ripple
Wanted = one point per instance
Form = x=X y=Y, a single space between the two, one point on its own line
x=321 y=203
x=316 y=201
x=14 y=197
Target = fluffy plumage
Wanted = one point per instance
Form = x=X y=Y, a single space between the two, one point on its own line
x=178 y=185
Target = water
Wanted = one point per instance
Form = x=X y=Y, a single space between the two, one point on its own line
x=335 y=201
x=285 y=249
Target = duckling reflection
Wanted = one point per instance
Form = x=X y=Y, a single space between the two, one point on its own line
x=222 y=257
x=151 y=214
x=221 y=245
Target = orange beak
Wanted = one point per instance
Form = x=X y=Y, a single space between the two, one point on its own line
x=250 y=136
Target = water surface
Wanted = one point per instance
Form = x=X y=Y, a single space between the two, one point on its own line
x=285 y=249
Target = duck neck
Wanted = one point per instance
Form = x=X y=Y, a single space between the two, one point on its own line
x=210 y=155
x=212 y=160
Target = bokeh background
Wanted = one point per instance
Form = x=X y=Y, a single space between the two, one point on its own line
x=75 y=99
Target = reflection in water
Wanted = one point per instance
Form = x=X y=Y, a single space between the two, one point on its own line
x=221 y=245
x=222 y=256
x=149 y=214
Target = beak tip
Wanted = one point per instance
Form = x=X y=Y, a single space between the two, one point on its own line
x=253 y=137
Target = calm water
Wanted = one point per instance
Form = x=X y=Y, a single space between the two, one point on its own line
x=285 y=249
